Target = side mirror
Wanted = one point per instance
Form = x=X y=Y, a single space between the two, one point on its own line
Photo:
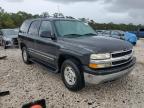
x=46 y=34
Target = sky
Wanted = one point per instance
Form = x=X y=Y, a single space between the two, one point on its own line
x=101 y=11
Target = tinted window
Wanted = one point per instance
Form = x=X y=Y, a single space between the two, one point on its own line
x=34 y=28
x=114 y=33
x=45 y=27
x=142 y=30
x=25 y=26
x=107 y=32
x=10 y=32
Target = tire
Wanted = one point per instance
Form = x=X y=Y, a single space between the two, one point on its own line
x=25 y=56
x=75 y=73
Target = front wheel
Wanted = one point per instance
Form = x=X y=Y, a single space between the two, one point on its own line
x=72 y=75
x=25 y=56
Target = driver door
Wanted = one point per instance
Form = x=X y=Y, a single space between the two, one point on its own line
x=46 y=47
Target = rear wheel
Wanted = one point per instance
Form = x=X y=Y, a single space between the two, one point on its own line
x=72 y=75
x=25 y=56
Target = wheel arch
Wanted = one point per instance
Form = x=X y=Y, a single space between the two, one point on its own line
x=63 y=57
x=22 y=45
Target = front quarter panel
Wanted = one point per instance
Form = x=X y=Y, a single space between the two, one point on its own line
x=76 y=52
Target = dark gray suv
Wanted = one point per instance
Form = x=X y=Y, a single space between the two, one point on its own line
x=72 y=48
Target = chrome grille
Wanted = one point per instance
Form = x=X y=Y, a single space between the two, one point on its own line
x=116 y=63
x=121 y=57
x=123 y=53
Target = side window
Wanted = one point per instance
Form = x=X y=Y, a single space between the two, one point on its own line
x=24 y=27
x=34 y=28
x=45 y=27
x=107 y=32
x=142 y=30
x=114 y=33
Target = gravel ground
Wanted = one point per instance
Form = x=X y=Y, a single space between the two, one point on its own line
x=32 y=82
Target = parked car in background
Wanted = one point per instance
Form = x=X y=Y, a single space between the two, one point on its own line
x=100 y=32
x=8 y=37
x=139 y=33
x=130 y=37
x=114 y=33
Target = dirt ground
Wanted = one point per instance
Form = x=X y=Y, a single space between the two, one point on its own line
x=32 y=82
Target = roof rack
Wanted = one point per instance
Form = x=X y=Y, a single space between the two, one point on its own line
x=57 y=15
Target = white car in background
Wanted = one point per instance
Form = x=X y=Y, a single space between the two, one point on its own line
x=8 y=37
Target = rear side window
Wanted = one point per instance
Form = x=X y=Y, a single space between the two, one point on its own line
x=142 y=30
x=25 y=26
x=34 y=28
x=45 y=26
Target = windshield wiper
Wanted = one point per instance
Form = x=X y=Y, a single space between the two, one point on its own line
x=90 y=34
x=72 y=35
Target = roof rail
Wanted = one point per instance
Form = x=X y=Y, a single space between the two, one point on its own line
x=58 y=15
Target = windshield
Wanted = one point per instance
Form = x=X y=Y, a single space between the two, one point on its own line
x=73 y=28
x=121 y=32
x=9 y=32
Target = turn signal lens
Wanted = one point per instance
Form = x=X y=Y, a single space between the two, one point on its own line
x=95 y=66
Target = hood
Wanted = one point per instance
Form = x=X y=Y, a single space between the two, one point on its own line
x=98 y=44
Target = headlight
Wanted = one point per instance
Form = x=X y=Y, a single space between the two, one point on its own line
x=96 y=60
x=100 y=56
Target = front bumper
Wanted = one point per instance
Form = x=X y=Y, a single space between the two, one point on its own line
x=104 y=75
x=8 y=43
x=13 y=42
